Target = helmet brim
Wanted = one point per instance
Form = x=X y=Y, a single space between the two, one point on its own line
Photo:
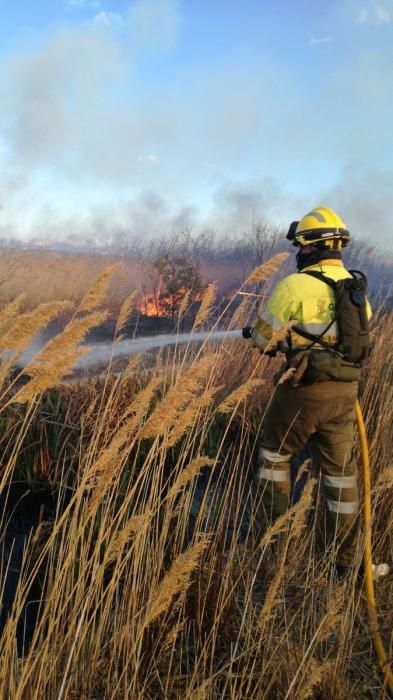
x=320 y=235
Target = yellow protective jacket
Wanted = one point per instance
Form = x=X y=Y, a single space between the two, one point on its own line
x=304 y=299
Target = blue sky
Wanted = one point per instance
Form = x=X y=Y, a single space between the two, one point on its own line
x=124 y=119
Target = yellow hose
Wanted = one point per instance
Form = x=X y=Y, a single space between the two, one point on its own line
x=368 y=572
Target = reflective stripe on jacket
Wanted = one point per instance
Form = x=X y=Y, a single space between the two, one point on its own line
x=306 y=300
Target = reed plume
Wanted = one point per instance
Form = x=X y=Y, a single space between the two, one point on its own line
x=42 y=379
x=333 y=616
x=239 y=395
x=141 y=402
x=206 y=306
x=5 y=368
x=304 y=467
x=278 y=336
x=186 y=419
x=109 y=457
x=297 y=513
x=315 y=673
x=187 y=385
x=8 y=312
x=98 y=290
x=136 y=523
x=189 y=473
x=176 y=581
x=133 y=364
x=104 y=469
x=270 y=598
x=56 y=360
x=125 y=311
x=183 y=304
x=301 y=509
x=27 y=325
x=56 y=351
x=172 y=635
x=262 y=272
x=242 y=313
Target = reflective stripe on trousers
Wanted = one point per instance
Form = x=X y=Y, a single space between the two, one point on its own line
x=273 y=457
x=340 y=482
x=274 y=478
x=273 y=474
x=343 y=507
x=337 y=486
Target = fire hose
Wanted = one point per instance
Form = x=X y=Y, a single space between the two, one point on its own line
x=368 y=566
x=367 y=557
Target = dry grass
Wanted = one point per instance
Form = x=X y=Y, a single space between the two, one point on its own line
x=44 y=276
x=149 y=592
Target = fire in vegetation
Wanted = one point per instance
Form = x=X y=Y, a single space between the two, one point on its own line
x=163 y=304
x=151 y=306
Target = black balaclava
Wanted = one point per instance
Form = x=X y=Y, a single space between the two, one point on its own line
x=317 y=255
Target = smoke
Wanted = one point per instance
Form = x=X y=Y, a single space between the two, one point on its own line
x=154 y=24
x=50 y=97
x=235 y=209
x=238 y=207
x=364 y=195
x=95 y=148
x=149 y=215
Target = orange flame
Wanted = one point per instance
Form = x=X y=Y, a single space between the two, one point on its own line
x=152 y=306
x=158 y=305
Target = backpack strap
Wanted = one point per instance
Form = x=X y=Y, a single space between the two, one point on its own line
x=315 y=338
x=356 y=273
x=361 y=280
x=321 y=277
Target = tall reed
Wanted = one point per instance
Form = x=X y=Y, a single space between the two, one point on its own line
x=156 y=576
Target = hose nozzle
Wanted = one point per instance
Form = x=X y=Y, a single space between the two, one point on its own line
x=247 y=332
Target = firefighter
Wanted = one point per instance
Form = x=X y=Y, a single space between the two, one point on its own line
x=317 y=400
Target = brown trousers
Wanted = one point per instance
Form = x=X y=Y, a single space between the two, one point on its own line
x=325 y=411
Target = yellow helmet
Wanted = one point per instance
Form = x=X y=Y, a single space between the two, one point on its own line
x=322 y=226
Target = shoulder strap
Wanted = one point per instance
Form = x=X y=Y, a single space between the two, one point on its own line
x=331 y=283
x=321 y=277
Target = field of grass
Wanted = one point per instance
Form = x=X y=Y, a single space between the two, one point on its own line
x=155 y=579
